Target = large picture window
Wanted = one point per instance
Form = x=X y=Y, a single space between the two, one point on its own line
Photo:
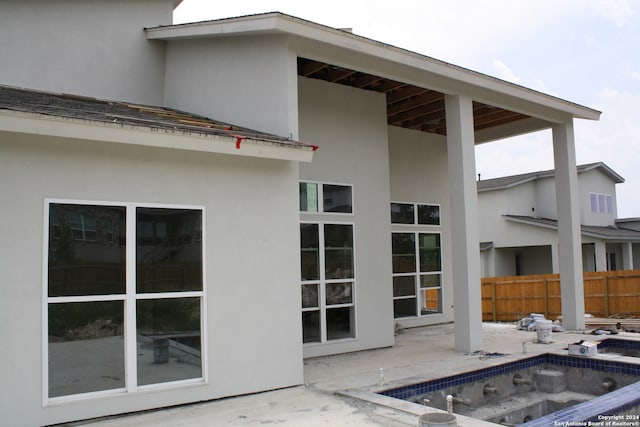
x=124 y=297
x=417 y=274
x=328 y=282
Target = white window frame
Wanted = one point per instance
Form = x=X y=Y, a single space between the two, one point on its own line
x=415 y=213
x=417 y=274
x=601 y=204
x=320 y=193
x=129 y=297
x=323 y=281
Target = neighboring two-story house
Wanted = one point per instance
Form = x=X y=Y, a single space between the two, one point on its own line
x=190 y=210
x=518 y=217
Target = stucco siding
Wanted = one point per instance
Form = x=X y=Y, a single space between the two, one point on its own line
x=349 y=126
x=90 y=48
x=251 y=266
x=248 y=81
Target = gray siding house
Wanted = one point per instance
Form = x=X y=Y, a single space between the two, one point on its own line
x=519 y=223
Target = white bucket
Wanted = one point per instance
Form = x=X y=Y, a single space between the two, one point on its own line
x=544 y=327
x=437 y=419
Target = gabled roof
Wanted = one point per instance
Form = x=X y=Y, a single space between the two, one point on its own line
x=79 y=109
x=514 y=180
x=415 y=84
x=606 y=233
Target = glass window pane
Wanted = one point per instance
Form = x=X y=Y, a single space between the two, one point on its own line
x=340 y=323
x=309 y=296
x=403 y=248
x=168 y=339
x=169 y=250
x=84 y=257
x=309 y=252
x=429 y=252
x=336 y=198
x=429 y=214
x=338 y=251
x=404 y=286
x=86 y=347
x=601 y=205
x=593 y=201
x=404 y=307
x=338 y=293
x=310 y=326
x=430 y=301
x=308 y=197
x=402 y=213
x=430 y=281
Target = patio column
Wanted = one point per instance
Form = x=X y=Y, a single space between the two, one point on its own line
x=463 y=193
x=555 y=264
x=569 y=237
x=627 y=256
x=601 y=256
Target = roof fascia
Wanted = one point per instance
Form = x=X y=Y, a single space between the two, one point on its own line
x=618 y=179
x=402 y=65
x=45 y=125
x=583 y=231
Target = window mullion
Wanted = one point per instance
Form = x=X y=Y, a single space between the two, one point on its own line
x=322 y=295
x=130 y=301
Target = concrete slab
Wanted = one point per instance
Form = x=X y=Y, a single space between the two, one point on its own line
x=421 y=352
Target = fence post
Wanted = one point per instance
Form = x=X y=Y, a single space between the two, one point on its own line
x=546 y=298
x=606 y=295
x=493 y=300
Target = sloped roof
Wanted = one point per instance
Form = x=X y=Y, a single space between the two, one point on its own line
x=514 y=180
x=137 y=115
x=414 y=84
x=606 y=233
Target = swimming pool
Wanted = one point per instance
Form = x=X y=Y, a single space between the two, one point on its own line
x=543 y=390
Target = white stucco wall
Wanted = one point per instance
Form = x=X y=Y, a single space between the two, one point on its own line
x=252 y=247
x=349 y=125
x=248 y=81
x=90 y=48
x=419 y=173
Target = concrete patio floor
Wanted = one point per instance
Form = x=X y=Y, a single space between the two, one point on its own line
x=420 y=352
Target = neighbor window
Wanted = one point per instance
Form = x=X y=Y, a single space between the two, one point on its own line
x=415 y=213
x=328 y=282
x=417 y=274
x=326 y=198
x=601 y=203
x=124 y=297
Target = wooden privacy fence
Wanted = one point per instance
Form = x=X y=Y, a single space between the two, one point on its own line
x=606 y=293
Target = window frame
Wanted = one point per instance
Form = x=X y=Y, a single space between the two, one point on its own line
x=322 y=283
x=416 y=207
x=601 y=203
x=417 y=274
x=129 y=299
x=320 y=194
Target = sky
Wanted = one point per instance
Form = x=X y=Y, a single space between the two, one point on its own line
x=583 y=51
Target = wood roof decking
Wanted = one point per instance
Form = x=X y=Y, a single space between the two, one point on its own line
x=408 y=106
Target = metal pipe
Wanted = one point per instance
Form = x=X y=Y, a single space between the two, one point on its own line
x=449 y=403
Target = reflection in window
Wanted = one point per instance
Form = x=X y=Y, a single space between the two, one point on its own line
x=310 y=251
x=308 y=197
x=168 y=340
x=416 y=271
x=85 y=266
x=169 y=250
x=86 y=347
x=428 y=215
x=336 y=198
x=327 y=296
x=403 y=213
x=87 y=260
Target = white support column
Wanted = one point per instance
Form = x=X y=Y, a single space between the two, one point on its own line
x=601 y=255
x=569 y=237
x=555 y=263
x=627 y=256
x=463 y=193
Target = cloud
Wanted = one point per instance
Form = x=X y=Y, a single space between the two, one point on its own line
x=504 y=72
x=619 y=11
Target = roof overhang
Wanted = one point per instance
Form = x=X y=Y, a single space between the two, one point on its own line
x=356 y=54
x=610 y=234
x=82 y=129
